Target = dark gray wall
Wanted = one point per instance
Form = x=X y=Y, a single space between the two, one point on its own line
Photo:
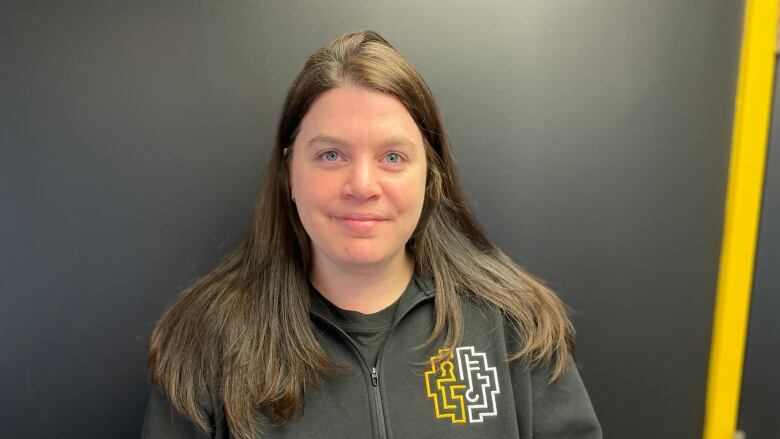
x=759 y=407
x=593 y=138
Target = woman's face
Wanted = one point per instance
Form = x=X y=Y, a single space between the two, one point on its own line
x=358 y=172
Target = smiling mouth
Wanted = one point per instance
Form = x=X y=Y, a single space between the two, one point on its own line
x=359 y=224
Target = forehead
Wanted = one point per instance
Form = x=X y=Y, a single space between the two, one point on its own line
x=358 y=114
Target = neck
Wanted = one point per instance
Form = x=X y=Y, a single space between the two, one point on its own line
x=367 y=289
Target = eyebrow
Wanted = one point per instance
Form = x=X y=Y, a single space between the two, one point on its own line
x=335 y=140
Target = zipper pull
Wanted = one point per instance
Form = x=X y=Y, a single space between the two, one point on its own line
x=374 y=377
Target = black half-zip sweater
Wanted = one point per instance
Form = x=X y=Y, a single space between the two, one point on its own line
x=475 y=393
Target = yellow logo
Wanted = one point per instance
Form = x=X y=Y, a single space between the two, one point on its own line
x=464 y=387
x=445 y=390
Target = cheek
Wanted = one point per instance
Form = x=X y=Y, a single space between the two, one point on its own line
x=309 y=185
x=409 y=194
x=315 y=196
x=320 y=189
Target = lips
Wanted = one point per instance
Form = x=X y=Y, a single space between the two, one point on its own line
x=361 y=217
x=360 y=223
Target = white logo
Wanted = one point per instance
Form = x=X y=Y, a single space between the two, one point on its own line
x=473 y=391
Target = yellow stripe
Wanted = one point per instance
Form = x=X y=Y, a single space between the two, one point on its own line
x=743 y=207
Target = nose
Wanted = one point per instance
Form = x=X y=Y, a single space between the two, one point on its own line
x=362 y=183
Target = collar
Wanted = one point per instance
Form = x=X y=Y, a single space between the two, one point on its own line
x=423 y=290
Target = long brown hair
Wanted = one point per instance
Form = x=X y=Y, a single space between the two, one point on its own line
x=240 y=342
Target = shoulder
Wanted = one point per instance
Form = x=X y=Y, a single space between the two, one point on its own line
x=552 y=408
x=162 y=420
x=562 y=407
x=480 y=316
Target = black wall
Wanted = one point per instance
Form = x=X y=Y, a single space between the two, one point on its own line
x=593 y=139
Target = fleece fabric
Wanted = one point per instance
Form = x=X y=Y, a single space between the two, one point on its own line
x=474 y=393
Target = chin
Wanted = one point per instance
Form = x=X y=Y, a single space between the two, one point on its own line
x=362 y=259
x=362 y=255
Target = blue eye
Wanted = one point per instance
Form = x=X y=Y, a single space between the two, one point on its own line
x=330 y=156
x=394 y=158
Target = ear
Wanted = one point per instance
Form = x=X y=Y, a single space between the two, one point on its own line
x=287 y=160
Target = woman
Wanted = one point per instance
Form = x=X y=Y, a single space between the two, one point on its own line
x=367 y=301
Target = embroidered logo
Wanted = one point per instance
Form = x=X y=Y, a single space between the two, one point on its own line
x=464 y=387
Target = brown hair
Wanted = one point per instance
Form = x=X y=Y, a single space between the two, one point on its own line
x=240 y=341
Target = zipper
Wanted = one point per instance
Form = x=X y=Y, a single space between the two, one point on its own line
x=374 y=371
x=378 y=414
x=375 y=382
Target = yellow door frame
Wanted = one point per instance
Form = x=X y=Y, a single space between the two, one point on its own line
x=742 y=215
